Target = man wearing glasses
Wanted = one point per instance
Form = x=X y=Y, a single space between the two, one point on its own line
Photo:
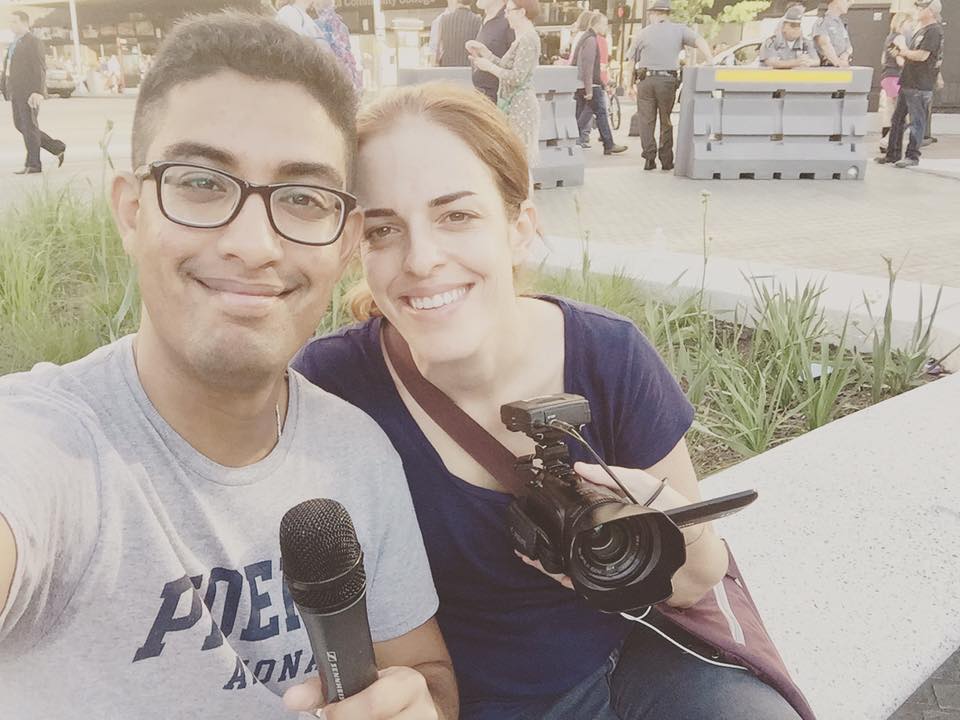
x=142 y=487
x=922 y=56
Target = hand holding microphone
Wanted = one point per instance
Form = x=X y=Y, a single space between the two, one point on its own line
x=323 y=568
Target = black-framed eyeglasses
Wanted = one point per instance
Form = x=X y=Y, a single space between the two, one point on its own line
x=202 y=197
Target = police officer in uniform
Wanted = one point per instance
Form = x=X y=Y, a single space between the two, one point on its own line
x=656 y=50
x=831 y=37
x=788 y=48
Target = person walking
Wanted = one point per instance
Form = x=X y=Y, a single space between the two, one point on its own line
x=497 y=36
x=434 y=44
x=657 y=53
x=831 y=36
x=788 y=47
x=457 y=28
x=334 y=32
x=294 y=14
x=892 y=67
x=591 y=95
x=24 y=85
x=922 y=59
x=514 y=71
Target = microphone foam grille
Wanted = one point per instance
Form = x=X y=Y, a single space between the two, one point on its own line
x=318 y=541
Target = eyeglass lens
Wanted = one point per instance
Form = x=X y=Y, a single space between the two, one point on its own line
x=202 y=197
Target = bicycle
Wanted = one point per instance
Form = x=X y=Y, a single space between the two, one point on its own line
x=613 y=105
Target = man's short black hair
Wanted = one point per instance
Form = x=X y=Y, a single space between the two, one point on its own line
x=23 y=16
x=253 y=45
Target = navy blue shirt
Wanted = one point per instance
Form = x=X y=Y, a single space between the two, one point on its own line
x=512 y=632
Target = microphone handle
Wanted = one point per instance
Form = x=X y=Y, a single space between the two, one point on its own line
x=342 y=648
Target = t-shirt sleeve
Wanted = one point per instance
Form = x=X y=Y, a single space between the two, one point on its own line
x=766 y=50
x=655 y=413
x=931 y=42
x=49 y=497
x=400 y=595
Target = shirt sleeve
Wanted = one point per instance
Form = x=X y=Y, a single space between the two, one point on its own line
x=767 y=52
x=931 y=41
x=585 y=61
x=49 y=496
x=401 y=594
x=689 y=37
x=525 y=60
x=655 y=413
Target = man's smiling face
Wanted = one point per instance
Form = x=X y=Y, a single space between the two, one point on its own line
x=239 y=300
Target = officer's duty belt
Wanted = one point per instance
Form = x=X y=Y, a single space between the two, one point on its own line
x=670 y=73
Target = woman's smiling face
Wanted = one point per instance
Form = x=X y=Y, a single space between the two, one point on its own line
x=438 y=247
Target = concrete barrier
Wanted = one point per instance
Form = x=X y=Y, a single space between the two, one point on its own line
x=760 y=123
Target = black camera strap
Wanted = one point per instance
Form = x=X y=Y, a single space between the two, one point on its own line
x=492 y=455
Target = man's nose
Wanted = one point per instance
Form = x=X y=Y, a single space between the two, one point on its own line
x=250 y=237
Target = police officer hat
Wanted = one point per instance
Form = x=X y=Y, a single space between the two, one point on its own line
x=924 y=4
x=794 y=15
x=660 y=6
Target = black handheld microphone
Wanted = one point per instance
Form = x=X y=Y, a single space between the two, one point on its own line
x=323 y=568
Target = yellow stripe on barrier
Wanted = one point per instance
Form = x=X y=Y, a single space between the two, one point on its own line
x=783 y=77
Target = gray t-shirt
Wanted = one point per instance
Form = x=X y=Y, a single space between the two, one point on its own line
x=833 y=28
x=658 y=46
x=148 y=580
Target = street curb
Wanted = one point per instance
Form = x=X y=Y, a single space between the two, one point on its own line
x=728 y=293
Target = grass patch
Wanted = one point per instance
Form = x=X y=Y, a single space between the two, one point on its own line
x=67 y=288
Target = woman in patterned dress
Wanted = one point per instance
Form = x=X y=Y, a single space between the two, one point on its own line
x=516 y=97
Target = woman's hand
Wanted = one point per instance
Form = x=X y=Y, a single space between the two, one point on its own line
x=477 y=49
x=481 y=63
x=640 y=484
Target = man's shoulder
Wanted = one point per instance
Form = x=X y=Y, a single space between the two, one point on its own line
x=56 y=399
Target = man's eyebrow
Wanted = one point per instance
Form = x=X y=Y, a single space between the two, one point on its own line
x=189 y=150
x=322 y=172
x=379 y=213
x=326 y=174
x=447 y=199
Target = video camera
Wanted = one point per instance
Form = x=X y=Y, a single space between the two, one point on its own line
x=621 y=555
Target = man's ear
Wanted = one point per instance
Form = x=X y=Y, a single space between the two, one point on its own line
x=350 y=239
x=125 y=206
x=525 y=229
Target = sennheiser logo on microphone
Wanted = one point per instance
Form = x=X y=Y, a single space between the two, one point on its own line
x=335 y=671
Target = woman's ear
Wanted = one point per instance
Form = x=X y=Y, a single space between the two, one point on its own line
x=525 y=229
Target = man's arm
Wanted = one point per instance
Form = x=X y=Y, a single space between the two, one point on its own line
x=416 y=680
x=8 y=562
x=705 y=50
x=826 y=49
x=778 y=64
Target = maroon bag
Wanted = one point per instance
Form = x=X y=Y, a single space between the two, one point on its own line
x=725 y=619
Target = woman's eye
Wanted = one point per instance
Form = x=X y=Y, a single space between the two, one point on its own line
x=458 y=216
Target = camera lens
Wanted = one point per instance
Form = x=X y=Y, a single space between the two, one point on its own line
x=616 y=552
x=608 y=542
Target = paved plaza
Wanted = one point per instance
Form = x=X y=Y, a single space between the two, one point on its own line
x=846 y=226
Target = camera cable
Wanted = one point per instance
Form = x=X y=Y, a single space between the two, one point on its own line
x=669 y=639
x=568 y=429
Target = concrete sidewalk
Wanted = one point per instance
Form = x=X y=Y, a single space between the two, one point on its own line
x=848 y=226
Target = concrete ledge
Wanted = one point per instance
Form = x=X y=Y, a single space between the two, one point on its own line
x=727 y=289
x=852 y=551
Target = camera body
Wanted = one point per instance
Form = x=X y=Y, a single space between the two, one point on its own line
x=619 y=555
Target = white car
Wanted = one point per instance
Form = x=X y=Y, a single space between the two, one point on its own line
x=745 y=53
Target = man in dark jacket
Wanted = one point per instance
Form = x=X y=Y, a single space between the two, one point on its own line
x=24 y=84
x=456 y=28
x=497 y=36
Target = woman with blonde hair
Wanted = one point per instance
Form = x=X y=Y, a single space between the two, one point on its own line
x=892 y=64
x=442 y=187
